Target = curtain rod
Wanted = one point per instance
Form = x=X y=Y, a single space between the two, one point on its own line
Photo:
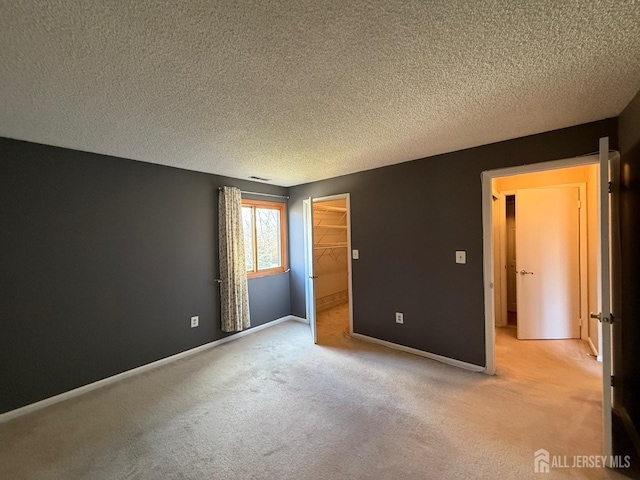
x=263 y=194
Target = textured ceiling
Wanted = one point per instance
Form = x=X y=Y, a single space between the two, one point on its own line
x=297 y=91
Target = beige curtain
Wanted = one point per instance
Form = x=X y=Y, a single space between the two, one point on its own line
x=234 y=296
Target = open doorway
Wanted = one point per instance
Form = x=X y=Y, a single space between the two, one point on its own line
x=495 y=279
x=331 y=268
x=607 y=174
x=549 y=224
x=328 y=267
x=549 y=262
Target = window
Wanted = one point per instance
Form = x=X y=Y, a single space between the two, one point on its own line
x=264 y=228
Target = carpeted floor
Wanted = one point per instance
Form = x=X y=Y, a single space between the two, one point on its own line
x=274 y=406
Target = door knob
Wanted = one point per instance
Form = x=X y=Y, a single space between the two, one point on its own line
x=524 y=272
x=603 y=318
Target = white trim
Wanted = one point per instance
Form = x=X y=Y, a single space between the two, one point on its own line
x=349 y=260
x=422 y=353
x=10 y=415
x=347 y=198
x=497 y=201
x=309 y=266
x=487 y=262
x=584 y=262
x=604 y=287
x=487 y=235
x=594 y=350
x=542 y=166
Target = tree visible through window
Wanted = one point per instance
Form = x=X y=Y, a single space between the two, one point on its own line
x=264 y=230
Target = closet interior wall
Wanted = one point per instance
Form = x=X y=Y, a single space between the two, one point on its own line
x=330 y=253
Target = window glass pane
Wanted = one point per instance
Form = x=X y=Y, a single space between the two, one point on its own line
x=268 y=236
x=247 y=230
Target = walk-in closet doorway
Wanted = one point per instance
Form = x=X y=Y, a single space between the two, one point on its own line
x=328 y=266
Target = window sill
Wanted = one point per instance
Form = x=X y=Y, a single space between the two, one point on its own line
x=267 y=273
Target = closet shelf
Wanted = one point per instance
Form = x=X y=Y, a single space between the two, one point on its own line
x=330 y=227
x=327 y=246
x=341 y=227
x=329 y=209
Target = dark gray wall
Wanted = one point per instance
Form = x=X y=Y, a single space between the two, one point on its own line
x=407 y=222
x=629 y=131
x=103 y=262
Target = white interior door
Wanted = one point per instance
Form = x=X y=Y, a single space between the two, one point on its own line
x=604 y=294
x=548 y=262
x=310 y=294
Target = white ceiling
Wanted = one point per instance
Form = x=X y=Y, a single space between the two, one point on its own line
x=303 y=90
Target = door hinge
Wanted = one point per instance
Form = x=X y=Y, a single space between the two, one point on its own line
x=579 y=204
x=610 y=187
x=613 y=383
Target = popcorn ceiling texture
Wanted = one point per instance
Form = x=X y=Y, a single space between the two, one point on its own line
x=305 y=90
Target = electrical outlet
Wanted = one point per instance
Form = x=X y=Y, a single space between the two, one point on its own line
x=399 y=317
x=355 y=254
x=195 y=321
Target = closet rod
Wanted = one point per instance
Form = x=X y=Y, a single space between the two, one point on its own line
x=263 y=194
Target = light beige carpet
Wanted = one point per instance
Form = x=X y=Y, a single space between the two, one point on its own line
x=274 y=406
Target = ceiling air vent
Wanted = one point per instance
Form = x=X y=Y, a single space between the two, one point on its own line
x=260 y=179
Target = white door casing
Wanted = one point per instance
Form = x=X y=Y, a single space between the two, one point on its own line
x=604 y=295
x=604 y=279
x=310 y=294
x=499 y=271
x=347 y=198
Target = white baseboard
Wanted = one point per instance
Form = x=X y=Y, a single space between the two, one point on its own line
x=432 y=356
x=10 y=415
x=298 y=319
x=594 y=350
